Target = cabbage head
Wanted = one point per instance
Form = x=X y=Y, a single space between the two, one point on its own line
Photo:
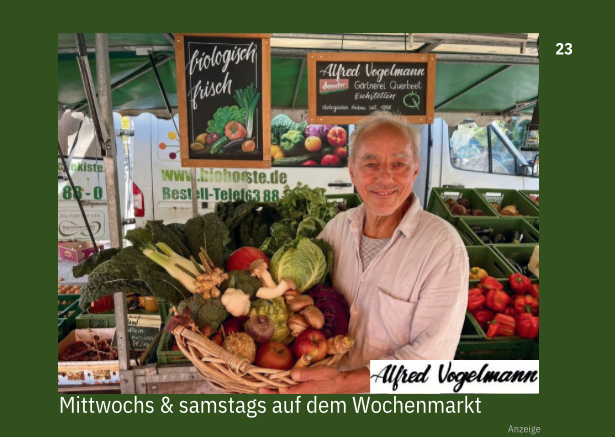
x=302 y=261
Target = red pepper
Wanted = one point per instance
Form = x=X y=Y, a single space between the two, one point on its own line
x=527 y=325
x=489 y=283
x=510 y=311
x=497 y=300
x=534 y=290
x=526 y=304
x=483 y=316
x=506 y=324
x=494 y=329
x=520 y=283
x=475 y=298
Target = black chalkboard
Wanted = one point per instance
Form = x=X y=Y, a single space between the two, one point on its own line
x=223 y=99
x=346 y=87
x=141 y=330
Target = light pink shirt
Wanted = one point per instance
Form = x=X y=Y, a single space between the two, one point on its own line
x=410 y=303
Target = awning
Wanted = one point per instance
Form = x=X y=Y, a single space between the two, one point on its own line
x=477 y=80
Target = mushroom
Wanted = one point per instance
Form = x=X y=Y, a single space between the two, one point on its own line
x=258 y=268
x=300 y=302
x=297 y=324
x=314 y=317
x=276 y=291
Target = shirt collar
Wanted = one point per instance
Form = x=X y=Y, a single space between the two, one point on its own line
x=408 y=223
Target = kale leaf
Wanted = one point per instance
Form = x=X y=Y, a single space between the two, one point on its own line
x=86 y=266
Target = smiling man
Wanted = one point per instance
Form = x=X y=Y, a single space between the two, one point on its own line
x=403 y=271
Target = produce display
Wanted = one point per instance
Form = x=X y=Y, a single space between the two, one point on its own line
x=300 y=144
x=535 y=198
x=462 y=206
x=488 y=236
x=501 y=314
x=257 y=301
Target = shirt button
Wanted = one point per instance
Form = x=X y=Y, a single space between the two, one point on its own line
x=354 y=312
x=362 y=279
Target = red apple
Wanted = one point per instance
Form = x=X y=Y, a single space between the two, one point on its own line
x=311 y=342
x=274 y=355
x=341 y=152
x=330 y=159
x=337 y=136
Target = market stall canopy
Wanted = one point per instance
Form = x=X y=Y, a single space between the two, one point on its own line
x=480 y=76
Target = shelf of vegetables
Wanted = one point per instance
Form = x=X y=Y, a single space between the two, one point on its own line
x=503 y=294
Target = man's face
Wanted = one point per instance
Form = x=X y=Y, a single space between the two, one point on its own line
x=383 y=169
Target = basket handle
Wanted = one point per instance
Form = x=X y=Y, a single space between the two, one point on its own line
x=236 y=363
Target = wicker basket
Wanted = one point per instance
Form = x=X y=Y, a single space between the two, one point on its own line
x=230 y=373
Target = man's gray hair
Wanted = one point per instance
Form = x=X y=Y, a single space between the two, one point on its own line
x=384 y=117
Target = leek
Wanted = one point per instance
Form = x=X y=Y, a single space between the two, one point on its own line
x=248 y=99
x=177 y=266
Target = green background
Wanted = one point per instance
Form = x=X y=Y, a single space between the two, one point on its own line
x=577 y=168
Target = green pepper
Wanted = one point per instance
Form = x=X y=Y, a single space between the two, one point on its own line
x=291 y=139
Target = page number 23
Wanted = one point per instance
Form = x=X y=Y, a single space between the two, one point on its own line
x=561 y=48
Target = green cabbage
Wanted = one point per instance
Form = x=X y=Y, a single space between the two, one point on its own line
x=302 y=261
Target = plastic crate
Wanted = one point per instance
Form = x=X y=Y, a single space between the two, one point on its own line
x=466 y=240
x=469 y=331
x=107 y=319
x=509 y=197
x=530 y=234
x=438 y=206
x=166 y=355
x=68 y=311
x=527 y=194
x=532 y=221
x=520 y=253
x=351 y=200
x=497 y=350
x=62 y=329
x=487 y=259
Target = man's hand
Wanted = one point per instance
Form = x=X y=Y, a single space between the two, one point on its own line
x=325 y=380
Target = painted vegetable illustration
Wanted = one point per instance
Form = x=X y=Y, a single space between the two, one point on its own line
x=248 y=99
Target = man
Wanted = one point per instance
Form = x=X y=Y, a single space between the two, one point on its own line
x=403 y=271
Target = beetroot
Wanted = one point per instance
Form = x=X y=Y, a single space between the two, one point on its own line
x=334 y=307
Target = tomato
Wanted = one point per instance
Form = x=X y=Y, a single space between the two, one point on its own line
x=243 y=257
x=330 y=160
x=310 y=163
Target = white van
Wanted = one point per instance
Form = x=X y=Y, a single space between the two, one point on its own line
x=158 y=188
x=86 y=168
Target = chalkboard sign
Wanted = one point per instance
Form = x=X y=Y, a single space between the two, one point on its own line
x=346 y=87
x=142 y=330
x=224 y=99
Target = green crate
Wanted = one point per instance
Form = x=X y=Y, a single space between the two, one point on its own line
x=466 y=240
x=532 y=221
x=66 y=300
x=497 y=350
x=509 y=197
x=62 y=329
x=530 y=234
x=68 y=310
x=438 y=206
x=469 y=331
x=487 y=259
x=527 y=193
x=107 y=319
x=477 y=327
x=520 y=253
x=167 y=356
x=351 y=200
